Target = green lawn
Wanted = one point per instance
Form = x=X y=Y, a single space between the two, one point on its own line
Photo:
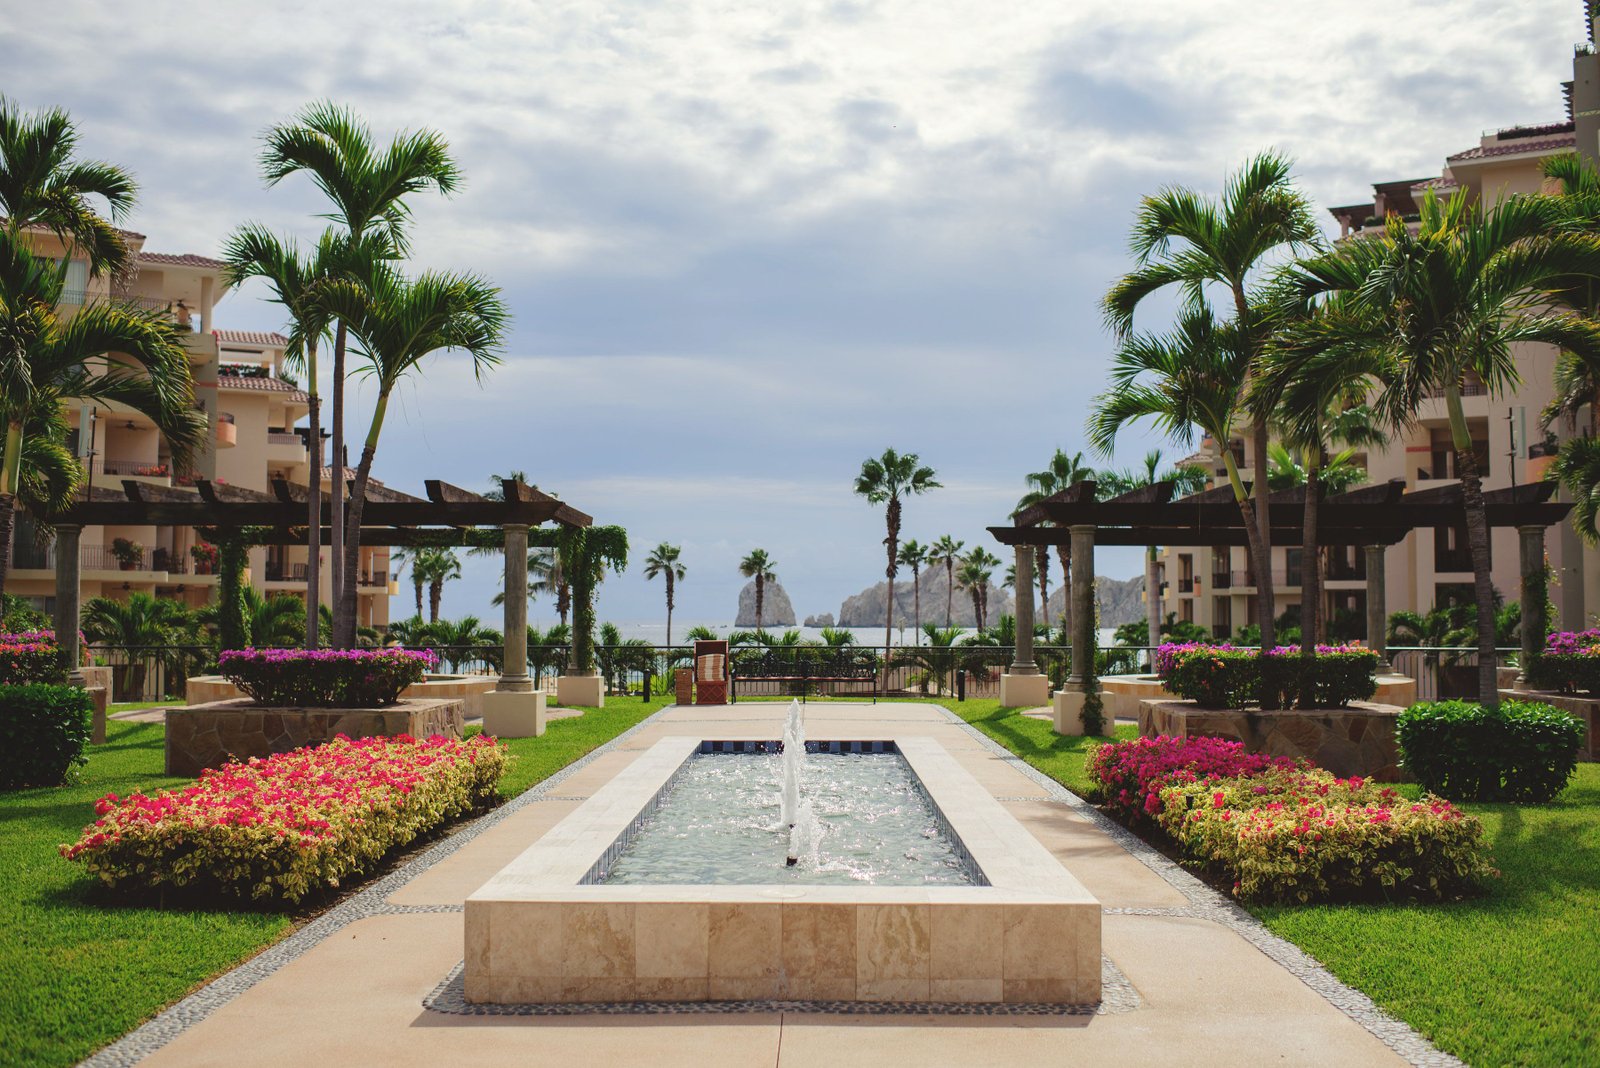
x=1509 y=978
x=80 y=970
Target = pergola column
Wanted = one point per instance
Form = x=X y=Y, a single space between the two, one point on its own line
x=1530 y=539
x=1377 y=608
x=69 y=562
x=1083 y=615
x=1022 y=663
x=514 y=670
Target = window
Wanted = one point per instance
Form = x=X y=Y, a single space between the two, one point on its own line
x=1451 y=551
x=76 y=288
x=1452 y=594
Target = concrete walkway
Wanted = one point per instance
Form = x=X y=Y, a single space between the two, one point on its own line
x=1212 y=987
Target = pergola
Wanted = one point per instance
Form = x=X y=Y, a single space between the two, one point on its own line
x=1373 y=517
x=449 y=516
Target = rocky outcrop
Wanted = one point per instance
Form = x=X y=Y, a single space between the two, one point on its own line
x=824 y=620
x=868 y=608
x=776 y=611
x=1120 y=601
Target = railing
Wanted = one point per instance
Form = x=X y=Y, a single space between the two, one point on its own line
x=1222 y=580
x=1290 y=578
x=278 y=437
x=1442 y=673
x=1186 y=585
x=277 y=572
x=1342 y=571
x=225 y=417
x=132 y=467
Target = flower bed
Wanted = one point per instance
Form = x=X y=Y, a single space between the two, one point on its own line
x=1221 y=676
x=1129 y=776
x=292 y=824
x=1570 y=663
x=326 y=678
x=32 y=656
x=1301 y=835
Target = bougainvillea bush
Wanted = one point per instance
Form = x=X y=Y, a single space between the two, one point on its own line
x=289 y=825
x=1301 y=835
x=1129 y=776
x=1222 y=676
x=1570 y=663
x=32 y=656
x=326 y=678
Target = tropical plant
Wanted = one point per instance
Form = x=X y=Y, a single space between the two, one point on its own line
x=1185 y=479
x=1061 y=472
x=1448 y=301
x=1202 y=245
x=975 y=575
x=368 y=190
x=434 y=566
x=837 y=637
x=617 y=656
x=932 y=662
x=146 y=630
x=43 y=184
x=269 y=622
x=585 y=554
x=762 y=569
x=885 y=480
x=465 y=642
x=663 y=560
x=946 y=551
x=547 y=650
x=914 y=554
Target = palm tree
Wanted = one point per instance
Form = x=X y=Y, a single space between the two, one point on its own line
x=884 y=480
x=1200 y=244
x=914 y=554
x=663 y=560
x=398 y=324
x=437 y=566
x=837 y=637
x=761 y=568
x=368 y=190
x=947 y=551
x=1449 y=301
x=934 y=660
x=548 y=649
x=1185 y=479
x=1185 y=379
x=43 y=184
x=144 y=628
x=270 y=622
x=974 y=576
x=465 y=641
x=1061 y=472
x=47 y=360
x=410 y=555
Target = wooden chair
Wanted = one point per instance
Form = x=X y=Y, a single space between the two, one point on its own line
x=710 y=672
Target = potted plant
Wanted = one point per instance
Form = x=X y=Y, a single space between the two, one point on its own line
x=205 y=557
x=129 y=554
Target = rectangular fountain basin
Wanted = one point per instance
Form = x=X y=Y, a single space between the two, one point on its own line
x=548 y=928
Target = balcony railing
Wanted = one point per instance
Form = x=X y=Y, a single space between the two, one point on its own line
x=1222 y=580
x=278 y=437
x=278 y=572
x=1289 y=579
x=1344 y=571
x=132 y=467
x=1186 y=585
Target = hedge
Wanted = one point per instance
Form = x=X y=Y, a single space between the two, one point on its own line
x=289 y=825
x=1516 y=751
x=1221 y=676
x=325 y=678
x=43 y=729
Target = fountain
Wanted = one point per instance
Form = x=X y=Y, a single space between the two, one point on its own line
x=795 y=816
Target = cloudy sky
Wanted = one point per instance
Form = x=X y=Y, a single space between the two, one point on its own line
x=746 y=250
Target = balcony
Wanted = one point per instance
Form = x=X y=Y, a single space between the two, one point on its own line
x=152 y=474
x=227 y=432
x=1221 y=630
x=1344 y=571
x=285 y=448
x=1222 y=580
x=1186 y=585
x=1281 y=580
x=280 y=572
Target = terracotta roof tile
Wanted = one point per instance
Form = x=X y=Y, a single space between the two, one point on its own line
x=265 y=338
x=181 y=259
x=261 y=385
x=1509 y=148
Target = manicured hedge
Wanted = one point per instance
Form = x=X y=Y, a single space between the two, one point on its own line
x=43 y=729
x=1303 y=835
x=31 y=657
x=1515 y=751
x=325 y=678
x=1220 y=676
x=291 y=824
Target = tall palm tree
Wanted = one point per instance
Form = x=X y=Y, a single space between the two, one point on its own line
x=663 y=560
x=43 y=184
x=402 y=556
x=47 y=360
x=1061 y=472
x=1185 y=379
x=762 y=568
x=975 y=575
x=397 y=324
x=1200 y=245
x=1450 y=300
x=437 y=567
x=1185 y=479
x=914 y=554
x=947 y=551
x=367 y=188
x=885 y=480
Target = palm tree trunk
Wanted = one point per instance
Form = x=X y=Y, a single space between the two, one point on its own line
x=1064 y=553
x=8 y=510
x=314 y=511
x=1266 y=606
x=345 y=629
x=10 y=480
x=435 y=597
x=416 y=583
x=1152 y=600
x=1310 y=572
x=949 y=590
x=1252 y=532
x=891 y=542
x=916 y=605
x=1041 y=563
x=669 y=607
x=336 y=491
x=1478 y=542
x=761 y=590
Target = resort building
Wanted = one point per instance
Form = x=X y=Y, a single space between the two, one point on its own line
x=1215 y=588
x=252 y=407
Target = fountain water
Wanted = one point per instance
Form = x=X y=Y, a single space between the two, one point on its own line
x=796 y=817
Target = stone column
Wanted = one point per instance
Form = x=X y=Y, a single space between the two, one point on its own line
x=69 y=563
x=1530 y=538
x=1377 y=608
x=1068 y=703
x=514 y=709
x=1023 y=686
x=514 y=671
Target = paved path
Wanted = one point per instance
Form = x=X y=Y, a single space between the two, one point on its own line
x=1212 y=987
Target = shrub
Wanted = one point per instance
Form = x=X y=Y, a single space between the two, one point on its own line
x=1220 y=676
x=1300 y=835
x=43 y=729
x=1129 y=775
x=1567 y=672
x=283 y=827
x=1513 y=752
x=32 y=656
x=325 y=678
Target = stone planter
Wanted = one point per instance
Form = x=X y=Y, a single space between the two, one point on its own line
x=1586 y=708
x=1358 y=740
x=1024 y=691
x=1121 y=694
x=588 y=691
x=208 y=735
x=204 y=689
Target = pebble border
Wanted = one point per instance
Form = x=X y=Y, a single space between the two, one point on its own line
x=1206 y=903
x=1119 y=994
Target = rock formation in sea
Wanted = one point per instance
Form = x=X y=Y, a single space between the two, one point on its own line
x=1121 y=600
x=824 y=620
x=868 y=608
x=776 y=611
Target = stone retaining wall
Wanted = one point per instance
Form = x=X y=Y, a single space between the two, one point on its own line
x=206 y=689
x=206 y=736
x=1587 y=709
x=1358 y=740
